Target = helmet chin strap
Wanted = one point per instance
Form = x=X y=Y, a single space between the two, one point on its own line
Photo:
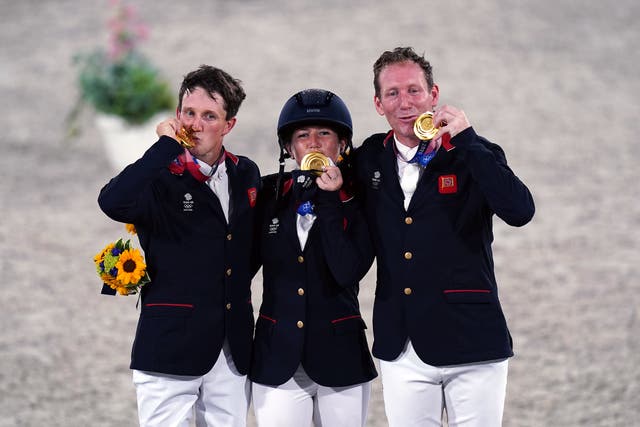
x=279 y=183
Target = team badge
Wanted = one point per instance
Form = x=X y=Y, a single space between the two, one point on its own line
x=187 y=203
x=376 y=179
x=273 y=227
x=447 y=184
x=252 y=193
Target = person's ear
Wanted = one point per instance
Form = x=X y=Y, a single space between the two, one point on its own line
x=378 y=104
x=228 y=126
x=343 y=145
x=435 y=96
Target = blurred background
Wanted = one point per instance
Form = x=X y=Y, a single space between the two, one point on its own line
x=553 y=82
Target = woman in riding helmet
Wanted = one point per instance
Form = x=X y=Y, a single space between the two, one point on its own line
x=311 y=360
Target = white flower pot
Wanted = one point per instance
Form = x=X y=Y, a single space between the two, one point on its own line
x=125 y=143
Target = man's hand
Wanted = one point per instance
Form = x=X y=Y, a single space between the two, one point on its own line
x=450 y=120
x=168 y=127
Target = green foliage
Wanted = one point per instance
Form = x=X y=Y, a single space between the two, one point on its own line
x=129 y=87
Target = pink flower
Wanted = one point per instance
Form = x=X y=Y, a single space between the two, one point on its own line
x=125 y=30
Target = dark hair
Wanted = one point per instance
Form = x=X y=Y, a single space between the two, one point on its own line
x=215 y=80
x=398 y=55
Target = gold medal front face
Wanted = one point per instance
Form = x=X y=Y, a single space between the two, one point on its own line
x=314 y=162
x=424 y=128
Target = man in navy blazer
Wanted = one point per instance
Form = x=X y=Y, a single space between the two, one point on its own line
x=192 y=203
x=439 y=330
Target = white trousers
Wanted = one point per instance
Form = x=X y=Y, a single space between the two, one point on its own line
x=218 y=398
x=415 y=393
x=300 y=400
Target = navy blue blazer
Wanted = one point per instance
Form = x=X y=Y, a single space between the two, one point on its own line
x=436 y=282
x=310 y=313
x=199 y=265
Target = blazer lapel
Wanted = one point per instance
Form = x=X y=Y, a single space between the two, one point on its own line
x=239 y=192
x=426 y=179
x=391 y=183
x=212 y=200
x=290 y=218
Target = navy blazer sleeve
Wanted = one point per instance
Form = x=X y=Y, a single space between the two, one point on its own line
x=346 y=242
x=124 y=198
x=505 y=194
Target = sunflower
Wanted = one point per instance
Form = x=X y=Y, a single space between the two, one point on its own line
x=131 y=267
x=122 y=290
x=130 y=228
x=109 y=280
x=121 y=267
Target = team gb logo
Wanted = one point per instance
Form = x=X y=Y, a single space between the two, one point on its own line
x=273 y=227
x=187 y=203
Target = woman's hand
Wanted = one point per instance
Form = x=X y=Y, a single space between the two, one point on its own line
x=331 y=179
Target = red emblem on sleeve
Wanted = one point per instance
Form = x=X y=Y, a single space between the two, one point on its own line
x=253 y=195
x=447 y=184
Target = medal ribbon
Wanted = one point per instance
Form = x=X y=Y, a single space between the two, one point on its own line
x=186 y=161
x=422 y=157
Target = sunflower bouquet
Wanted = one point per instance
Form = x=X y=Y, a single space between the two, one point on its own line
x=122 y=268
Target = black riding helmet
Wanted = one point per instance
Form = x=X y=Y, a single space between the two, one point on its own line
x=317 y=106
x=313 y=106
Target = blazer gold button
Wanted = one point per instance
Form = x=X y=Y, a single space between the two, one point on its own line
x=408 y=255
x=407 y=291
x=300 y=291
x=300 y=259
x=229 y=236
x=228 y=272
x=300 y=324
x=228 y=306
x=408 y=220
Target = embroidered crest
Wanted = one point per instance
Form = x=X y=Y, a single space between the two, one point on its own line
x=187 y=203
x=273 y=227
x=252 y=193
x=376 y=179
x=447 y=184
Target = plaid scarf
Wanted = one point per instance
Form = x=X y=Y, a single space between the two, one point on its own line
x=186 y=161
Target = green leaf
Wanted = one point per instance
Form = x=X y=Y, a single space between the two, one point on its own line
x=130 y=88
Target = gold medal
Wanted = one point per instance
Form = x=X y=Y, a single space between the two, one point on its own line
x=184 y=137
x=424 y=128
x=314 y=162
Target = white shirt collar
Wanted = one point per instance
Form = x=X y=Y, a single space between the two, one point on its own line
x=405 y=153
x=208 y=170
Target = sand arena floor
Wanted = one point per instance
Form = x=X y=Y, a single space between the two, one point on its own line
x=553 y=82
